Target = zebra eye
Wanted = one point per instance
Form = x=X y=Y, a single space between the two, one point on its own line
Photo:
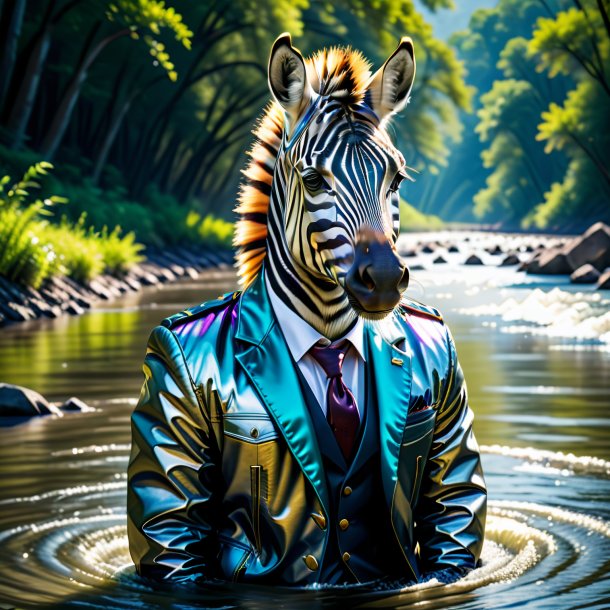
x=313 y=180
x=398 y=178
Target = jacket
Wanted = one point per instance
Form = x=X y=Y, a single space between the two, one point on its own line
x=225 y=477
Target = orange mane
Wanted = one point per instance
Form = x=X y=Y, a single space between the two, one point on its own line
x=338 y=72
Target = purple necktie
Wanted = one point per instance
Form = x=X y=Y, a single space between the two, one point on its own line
x=342 y=413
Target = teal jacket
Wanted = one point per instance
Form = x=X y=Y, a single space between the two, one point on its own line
x=225 y=478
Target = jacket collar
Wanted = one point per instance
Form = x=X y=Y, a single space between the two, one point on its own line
x=267 y=362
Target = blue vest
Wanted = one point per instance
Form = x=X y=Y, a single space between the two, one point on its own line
x=367 y=535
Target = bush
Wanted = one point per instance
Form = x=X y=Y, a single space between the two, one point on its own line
x=411 y=219
x=119 y=253
x=32 y=249
x=210 y=230
x=25 y=255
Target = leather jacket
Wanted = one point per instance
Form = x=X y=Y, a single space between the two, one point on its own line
x=225 y=478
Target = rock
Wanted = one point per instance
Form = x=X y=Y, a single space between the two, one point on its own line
x=593 y=247
x=473 y=259
x=416 y=267
x=587 y=274
x=495 y=250
x=16 y=312
x=553 y=262
x=410 y=253
x=74 y=308
x=428 y=248
x=100 y=290
x=453 y=248
x=17 y=401
x=532 y=265
x=76 y=404
x=604 y=280
x=510 y=259
x=438 y=260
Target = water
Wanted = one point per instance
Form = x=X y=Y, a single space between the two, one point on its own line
x=540 y=395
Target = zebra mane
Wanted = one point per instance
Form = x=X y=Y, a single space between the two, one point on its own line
x=338 y=72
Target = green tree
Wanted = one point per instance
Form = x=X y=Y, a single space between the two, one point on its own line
x=576 y=42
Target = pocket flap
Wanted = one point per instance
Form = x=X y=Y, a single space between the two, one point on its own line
x=252 y=428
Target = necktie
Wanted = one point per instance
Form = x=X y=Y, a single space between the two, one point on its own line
x=342 y=413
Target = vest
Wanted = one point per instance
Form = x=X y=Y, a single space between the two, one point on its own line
x=359 y=521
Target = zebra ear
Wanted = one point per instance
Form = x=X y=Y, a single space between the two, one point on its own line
x=390 y=86
x=288 y=77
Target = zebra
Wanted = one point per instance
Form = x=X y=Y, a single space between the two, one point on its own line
x=319 y=205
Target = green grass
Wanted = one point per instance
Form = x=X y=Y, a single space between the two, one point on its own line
x=33 y=249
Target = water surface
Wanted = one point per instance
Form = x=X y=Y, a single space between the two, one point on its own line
x=540 y=395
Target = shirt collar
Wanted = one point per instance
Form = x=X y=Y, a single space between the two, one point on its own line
x=300 y=335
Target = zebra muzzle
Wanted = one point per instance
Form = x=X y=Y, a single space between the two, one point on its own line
x=377 y=277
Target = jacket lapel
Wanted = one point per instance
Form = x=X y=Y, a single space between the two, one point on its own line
x=389 y=372
x=266 y=360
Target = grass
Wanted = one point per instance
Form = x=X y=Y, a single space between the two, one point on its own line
x=33 y=249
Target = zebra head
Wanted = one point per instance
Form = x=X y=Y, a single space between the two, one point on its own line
x=333 y=206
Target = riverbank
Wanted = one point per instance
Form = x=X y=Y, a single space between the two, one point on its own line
x=62 y=295
x=583 y=259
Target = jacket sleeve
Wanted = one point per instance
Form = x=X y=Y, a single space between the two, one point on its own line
x=172 y=486
x=451 y=511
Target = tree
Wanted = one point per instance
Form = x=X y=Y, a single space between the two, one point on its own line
x=576 y=42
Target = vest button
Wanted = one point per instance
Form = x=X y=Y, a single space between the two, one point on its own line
x=344 y=524
x=311 y=562
x=347 y=490
x=346 y=556
x=254 y=433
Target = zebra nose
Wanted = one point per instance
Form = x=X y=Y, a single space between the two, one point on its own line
x=377 y=277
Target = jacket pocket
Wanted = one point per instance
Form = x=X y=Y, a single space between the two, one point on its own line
x=249 y=427
x=419 y=424
x=255 y=493
x=415 y=447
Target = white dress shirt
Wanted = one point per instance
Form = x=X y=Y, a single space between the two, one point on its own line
x=300 y=337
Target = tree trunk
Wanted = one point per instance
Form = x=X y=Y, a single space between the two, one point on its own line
x=111 y=134
x=60 y=121
x=8 y=52
x=22 y=109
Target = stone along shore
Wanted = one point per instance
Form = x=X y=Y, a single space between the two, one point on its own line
x=61 y=295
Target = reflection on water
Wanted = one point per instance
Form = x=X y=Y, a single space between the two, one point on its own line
x=62 y=502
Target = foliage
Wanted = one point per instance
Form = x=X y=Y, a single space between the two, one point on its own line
x=33 y=249
x=23 y=257
x=209 y=229
x=576 y=42
x=411 y=219
x=541 y=70
x=112 y=120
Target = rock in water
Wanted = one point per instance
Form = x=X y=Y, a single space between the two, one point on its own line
x=76 y=404
x=593 y=247
x=604 y=281
x=17 y=401
x=552 y=262
x=510 y=259
x=587 y=274
x=473 y=259
x=439 y=259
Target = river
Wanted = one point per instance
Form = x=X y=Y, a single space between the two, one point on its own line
x=536 y=356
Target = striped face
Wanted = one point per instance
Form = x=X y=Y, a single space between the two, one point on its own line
x=333 y=219
x=341 y=180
